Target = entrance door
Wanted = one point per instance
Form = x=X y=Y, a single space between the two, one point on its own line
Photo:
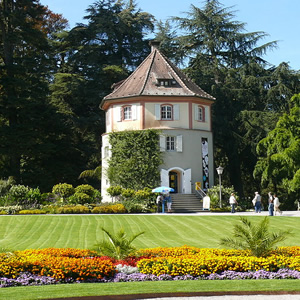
x=173 y=181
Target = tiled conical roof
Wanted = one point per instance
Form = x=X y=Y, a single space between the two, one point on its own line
x=149 y=80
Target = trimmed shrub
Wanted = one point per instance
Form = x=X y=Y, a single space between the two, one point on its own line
x=79 y=198
x=109 y=209
x=114 y=191
x=85 y=189
x=31 y=212
x=78 y=209
x=63 y=190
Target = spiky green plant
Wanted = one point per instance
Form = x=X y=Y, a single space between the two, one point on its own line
x=117 y=245
x=255 y=238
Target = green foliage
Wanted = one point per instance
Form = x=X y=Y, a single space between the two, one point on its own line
x=18 y=192
x=279 y=152
x=214 y=194
x=135 y=159
x=118 y=246
x=5 y=185
x=86 y=189
x=133 y=207
x=63 y=190
x=255 y=238
x=114 y=191
x=79 y=198
x=127 y=193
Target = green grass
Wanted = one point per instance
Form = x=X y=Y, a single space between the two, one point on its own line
x=82 y=231
x=124 y=288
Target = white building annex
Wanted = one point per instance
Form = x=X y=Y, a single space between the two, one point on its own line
x=158 y=95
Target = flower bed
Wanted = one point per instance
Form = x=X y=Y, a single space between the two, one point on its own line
x=196 y=262
x=59 y=265
x=64 y=265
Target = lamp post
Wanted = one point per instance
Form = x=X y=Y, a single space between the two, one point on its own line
x=220 y=171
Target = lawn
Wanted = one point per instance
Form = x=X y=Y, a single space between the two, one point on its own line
x=82 y=231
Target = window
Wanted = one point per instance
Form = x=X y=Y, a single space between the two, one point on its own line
x=167 y=82
x=170 y=143
x=200 y=113
x=106 y=151
x=166 y=112
x=127 y=114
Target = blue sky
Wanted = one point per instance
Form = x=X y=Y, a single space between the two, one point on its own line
x=278 y=18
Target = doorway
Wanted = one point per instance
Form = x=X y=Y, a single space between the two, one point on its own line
x=173 y=181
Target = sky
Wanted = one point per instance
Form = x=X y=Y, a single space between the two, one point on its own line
x=278 y=18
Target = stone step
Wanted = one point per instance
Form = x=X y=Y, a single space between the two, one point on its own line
x=186 y=203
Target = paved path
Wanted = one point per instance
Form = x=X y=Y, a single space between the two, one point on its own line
x=235 y=297
x=293 y=213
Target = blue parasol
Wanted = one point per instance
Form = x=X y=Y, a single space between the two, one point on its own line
x=163 y=189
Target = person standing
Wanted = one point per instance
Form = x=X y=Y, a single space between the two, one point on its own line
x=271 y=204
x=257 y=202
x=159 y=201
x=232 y=202
x=276 y=205
x=169 y=202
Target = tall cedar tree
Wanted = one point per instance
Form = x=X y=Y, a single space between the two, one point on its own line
x=227 y=62
x=93 y=57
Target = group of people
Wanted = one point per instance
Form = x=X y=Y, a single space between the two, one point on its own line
x=161 y=200
x=273 y=203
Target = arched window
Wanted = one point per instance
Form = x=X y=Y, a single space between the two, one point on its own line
x=200 y=113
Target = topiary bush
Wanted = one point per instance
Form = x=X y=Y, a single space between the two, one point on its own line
x=63 y=190
x=79 y=198
x=114 y=190
x=85 y=189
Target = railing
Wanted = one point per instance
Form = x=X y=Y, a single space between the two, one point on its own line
x=200 y=193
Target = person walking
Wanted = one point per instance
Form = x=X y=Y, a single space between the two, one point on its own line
x=257 y=202
x=276 y=205
x=232 y=202
x=271 y=204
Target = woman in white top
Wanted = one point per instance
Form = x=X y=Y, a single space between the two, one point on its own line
x=276 y=205
x=232 y=202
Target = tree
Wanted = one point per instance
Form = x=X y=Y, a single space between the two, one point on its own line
x=255 y=238
x=279 y=152
x=93 y=56
x=27 y=119
x=227 y=62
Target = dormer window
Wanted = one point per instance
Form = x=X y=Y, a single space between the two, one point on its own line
x=167 y=82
